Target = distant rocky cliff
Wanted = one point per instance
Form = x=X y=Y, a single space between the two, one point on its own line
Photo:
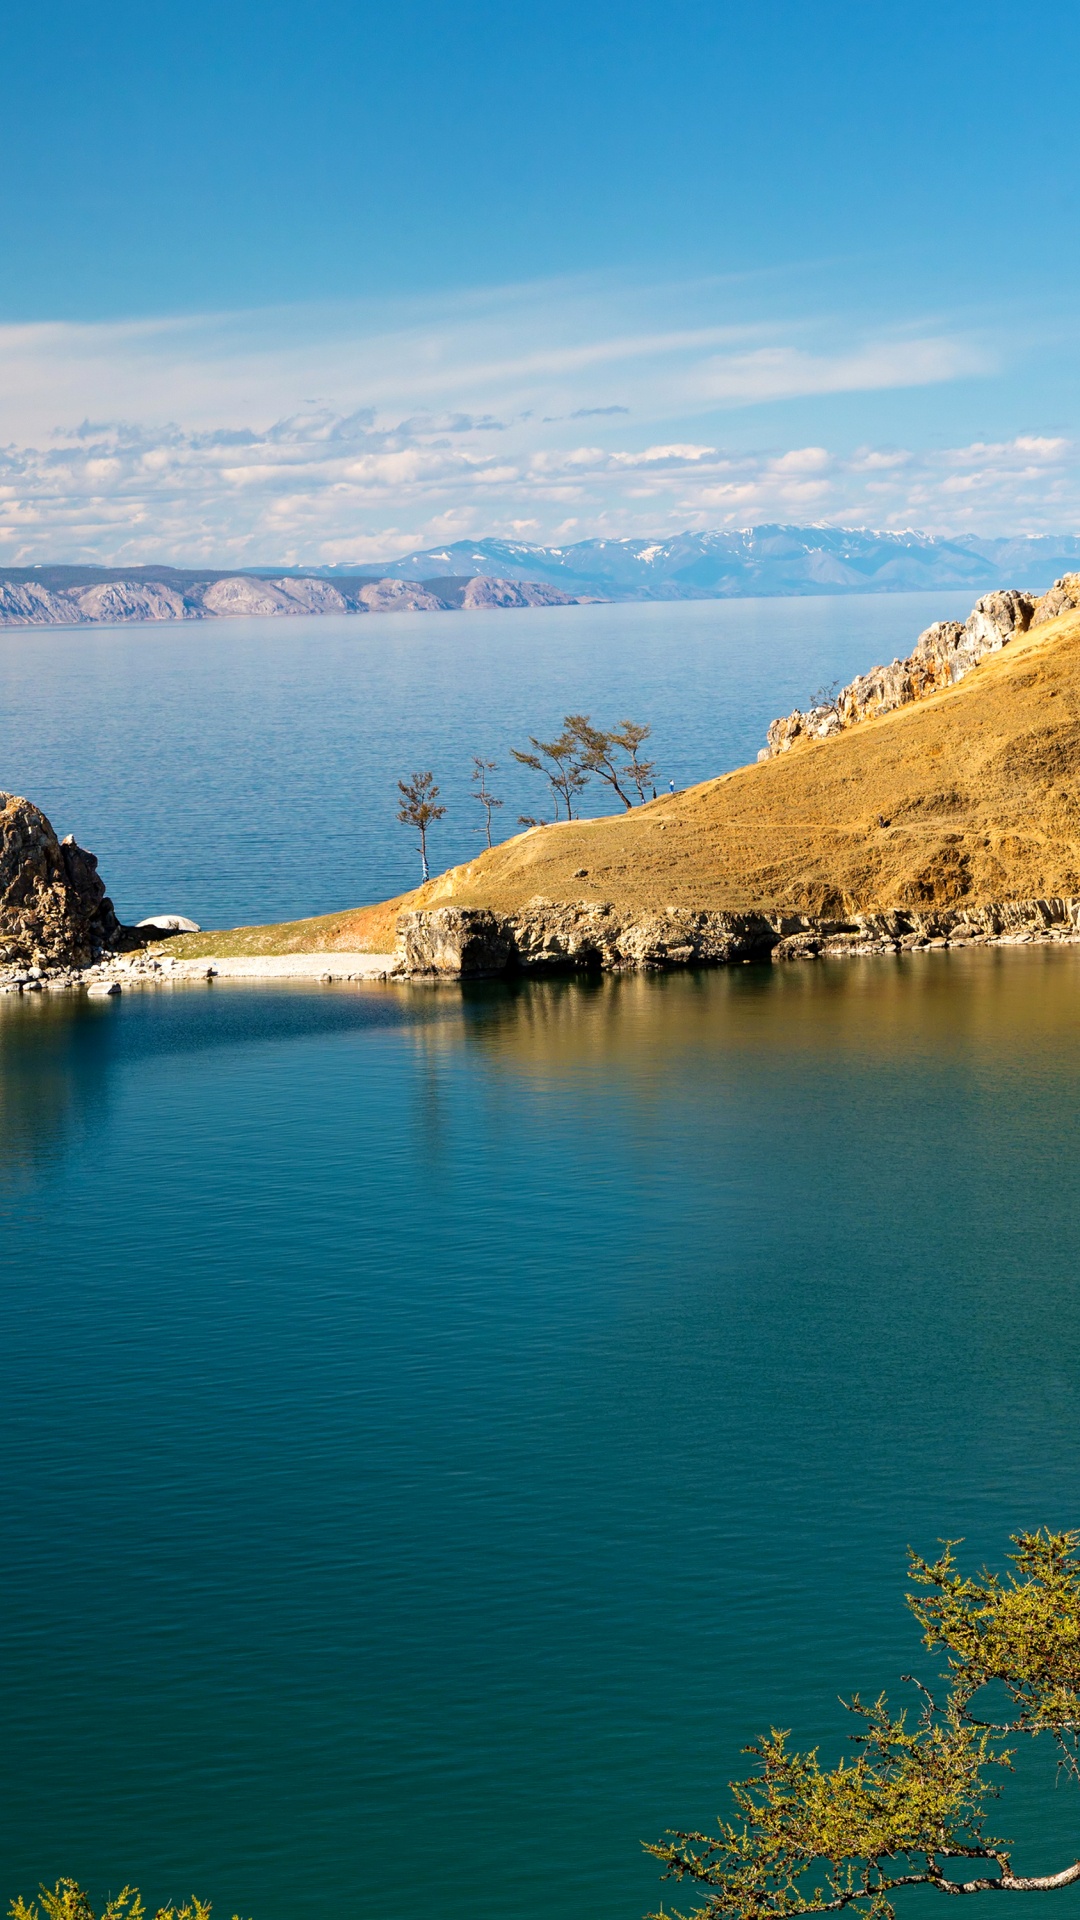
x=940 y=657
x=55 y=601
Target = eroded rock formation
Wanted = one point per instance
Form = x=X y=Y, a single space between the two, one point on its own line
x=549 y=937
x=941 y=656
x=485 y=592
x=464 y=942
x=54 y=910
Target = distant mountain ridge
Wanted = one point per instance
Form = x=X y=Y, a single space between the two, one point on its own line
x=68 y=596
x=754 y=561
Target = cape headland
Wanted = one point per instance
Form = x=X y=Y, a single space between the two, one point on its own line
x=934 y=801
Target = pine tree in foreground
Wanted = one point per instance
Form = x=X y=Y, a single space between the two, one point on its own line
x=68 y=1901
x=909 y=1810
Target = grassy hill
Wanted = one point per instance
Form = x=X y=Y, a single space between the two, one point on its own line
x=970 y=796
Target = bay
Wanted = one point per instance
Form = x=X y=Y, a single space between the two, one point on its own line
x=441 y=1427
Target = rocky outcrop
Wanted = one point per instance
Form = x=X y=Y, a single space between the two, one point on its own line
x=130 y=600
x=244 y=595
x=941 y=656
x=54 y=911
x=399 y=596
x=455 y=941
x=545 y=937
x=30 y=603
x=482 y=592
x=473 y=943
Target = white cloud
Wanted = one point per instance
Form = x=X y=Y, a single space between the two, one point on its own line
x=330 y=488
x=802 y=460
x=336 y=434
x=555 y=350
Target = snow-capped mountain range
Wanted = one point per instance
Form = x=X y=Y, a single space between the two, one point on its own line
x=755 y=561
x=759 y=562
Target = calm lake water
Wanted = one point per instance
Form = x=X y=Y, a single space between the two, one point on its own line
x=440 y=1427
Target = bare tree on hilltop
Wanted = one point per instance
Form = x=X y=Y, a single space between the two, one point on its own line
x=583 y=750
x=566 y=776
x=629 y=736
x=594 y=748
x=481 y=769
x=598 y=746
x=418 y=809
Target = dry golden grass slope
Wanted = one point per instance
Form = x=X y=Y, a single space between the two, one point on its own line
x=360 y=930
x=971 y=795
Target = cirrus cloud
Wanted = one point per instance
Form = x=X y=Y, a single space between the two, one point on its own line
x=318 y=436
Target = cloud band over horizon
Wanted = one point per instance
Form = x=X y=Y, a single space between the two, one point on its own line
x=386 y=431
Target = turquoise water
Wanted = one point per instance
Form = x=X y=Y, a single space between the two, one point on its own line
x=439 y=1428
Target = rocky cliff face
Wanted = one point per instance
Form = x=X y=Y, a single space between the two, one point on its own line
x=482 y=592
x=474 y=943
x=941 y=656
x=548 y=937
x=30 y=603
x=53 y=907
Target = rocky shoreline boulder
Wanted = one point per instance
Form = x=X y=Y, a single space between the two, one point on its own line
x=54 y=911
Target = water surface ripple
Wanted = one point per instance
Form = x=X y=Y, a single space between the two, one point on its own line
x=440 y=1429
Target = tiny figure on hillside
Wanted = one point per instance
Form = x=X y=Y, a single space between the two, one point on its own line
x=671 y=786
x=418 y=809
x=481 y=769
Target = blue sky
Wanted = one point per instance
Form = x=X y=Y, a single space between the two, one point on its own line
x=328 y=281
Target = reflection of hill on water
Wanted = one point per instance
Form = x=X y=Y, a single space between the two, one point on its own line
x=654 y=1036
x=886 y=1012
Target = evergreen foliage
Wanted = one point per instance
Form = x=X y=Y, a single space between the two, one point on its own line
x=911 y=1806
x=69 y=1901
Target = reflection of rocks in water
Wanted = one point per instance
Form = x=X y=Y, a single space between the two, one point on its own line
x=54 y=1058
x=664 y=1030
